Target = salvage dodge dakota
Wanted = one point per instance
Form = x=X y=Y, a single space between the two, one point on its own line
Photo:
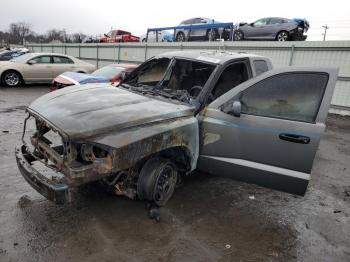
x=225 y=113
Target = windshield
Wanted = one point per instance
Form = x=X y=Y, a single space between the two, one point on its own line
x=150 y=73
x=22 y=58
x=177 y=79
x=109 y=72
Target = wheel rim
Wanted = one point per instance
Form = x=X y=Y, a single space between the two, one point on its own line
x=12 y=79
x=238 y=36
x=165 y=185
x=180 y=37
x=282 y=36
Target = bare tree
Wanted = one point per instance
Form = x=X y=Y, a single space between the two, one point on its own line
x=55 y=35
x=19 y=31
x=77 y=37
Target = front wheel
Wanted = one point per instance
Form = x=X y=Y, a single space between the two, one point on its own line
x=282 y=36
x=180 y=37
x=238 y=35
x=11 y=78
x=157 y=181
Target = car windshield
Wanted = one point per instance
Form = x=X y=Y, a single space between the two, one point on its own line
x=22 y=58
x=179 y=79
x=109 y=71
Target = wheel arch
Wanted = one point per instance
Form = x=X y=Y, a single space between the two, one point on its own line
x=180 y=155
x=283 y=30
x=10 y=70
x=234 y=34
x=180 y=32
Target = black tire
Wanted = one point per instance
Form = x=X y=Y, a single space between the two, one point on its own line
x=157 y=181
x=238 y=35
x=282 y=36
x=11 y=78
x=180 y=37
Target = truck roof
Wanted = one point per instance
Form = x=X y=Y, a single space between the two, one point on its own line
x=214 y=57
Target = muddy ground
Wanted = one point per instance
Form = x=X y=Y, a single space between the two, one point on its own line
x=208 y=219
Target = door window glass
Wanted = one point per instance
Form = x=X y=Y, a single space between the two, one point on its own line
x=261 y=22
x=188 y=22
x=294 y=96
x=276 y=21
x=198 y=21
x=42 y=59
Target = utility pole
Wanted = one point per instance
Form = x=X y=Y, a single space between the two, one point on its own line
x=326 y=27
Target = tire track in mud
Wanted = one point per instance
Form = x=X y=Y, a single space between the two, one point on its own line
x=12 y=109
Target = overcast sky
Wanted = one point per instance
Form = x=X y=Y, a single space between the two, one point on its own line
x=97 y=17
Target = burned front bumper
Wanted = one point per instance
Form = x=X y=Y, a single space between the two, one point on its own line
x=298 y=37
x=56 y=192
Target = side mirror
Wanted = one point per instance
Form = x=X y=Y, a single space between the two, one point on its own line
x=236 y=108
x=31 y=62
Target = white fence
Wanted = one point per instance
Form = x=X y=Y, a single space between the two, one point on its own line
x=321 y=54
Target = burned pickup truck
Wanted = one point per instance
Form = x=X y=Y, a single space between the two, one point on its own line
x=225 y=113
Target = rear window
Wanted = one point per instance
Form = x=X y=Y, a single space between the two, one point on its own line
x=62 y=60
x=120 y=32
x=22 y=58
x=277 y=21
x=109 y=72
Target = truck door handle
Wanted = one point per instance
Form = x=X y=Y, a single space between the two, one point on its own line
x=294 y=138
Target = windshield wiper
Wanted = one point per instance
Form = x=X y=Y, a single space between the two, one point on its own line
x=181 y=95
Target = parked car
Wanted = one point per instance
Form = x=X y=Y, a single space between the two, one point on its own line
x=181 y=35
x=225 y=113
x=90 y=39
x=273 y=28
x=107 y=74
x=39 y=68
x=12 y=53
x=118 y=36
x=163 y=36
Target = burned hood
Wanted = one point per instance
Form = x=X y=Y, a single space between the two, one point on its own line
x=95 y=109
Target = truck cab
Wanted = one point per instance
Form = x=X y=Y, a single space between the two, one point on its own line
x=224 y=113
x=118 y=36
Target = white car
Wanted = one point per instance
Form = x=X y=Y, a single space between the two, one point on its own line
x=181 y=35
x=163 y=36
x=40 y=68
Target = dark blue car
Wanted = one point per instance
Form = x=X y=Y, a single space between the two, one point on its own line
x=9 y=54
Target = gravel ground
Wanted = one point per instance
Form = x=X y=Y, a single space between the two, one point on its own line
x=208 y=219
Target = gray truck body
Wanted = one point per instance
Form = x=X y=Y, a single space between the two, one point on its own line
x=106 y=130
